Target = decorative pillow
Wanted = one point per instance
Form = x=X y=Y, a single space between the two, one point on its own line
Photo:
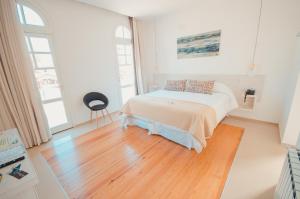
x=197 y=86
x=175 y=85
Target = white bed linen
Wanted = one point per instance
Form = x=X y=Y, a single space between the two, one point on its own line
x=171 y=133
x=221 y=102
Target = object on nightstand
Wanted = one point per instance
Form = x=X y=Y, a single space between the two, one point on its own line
x=249 y=100
x=249 y=92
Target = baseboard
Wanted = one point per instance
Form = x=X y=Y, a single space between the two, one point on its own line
x=253 y=120
x=94 y=119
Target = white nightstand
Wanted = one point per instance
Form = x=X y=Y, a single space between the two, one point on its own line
x=249 y=103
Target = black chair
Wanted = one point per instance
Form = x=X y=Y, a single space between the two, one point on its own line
x=100 y=104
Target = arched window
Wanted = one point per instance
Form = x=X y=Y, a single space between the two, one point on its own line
x=44 y=66
x=126 y=63
x=28 y=16
x=123 y=33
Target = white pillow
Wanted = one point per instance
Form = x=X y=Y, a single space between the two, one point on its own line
x=222 y=88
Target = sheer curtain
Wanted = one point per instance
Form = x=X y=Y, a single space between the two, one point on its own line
x=20 y=104
x=136 y=55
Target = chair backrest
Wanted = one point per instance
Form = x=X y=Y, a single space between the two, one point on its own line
x=93 y=96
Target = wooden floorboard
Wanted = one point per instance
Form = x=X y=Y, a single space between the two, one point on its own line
x=112 y=162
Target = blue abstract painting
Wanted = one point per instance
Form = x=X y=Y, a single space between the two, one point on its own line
x=201 y=45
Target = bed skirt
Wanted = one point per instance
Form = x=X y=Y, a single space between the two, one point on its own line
x=176 y=135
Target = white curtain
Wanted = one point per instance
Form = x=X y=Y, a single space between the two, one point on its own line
x=137 y=55
x=20 y=104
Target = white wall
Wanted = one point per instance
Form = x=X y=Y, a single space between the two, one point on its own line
x=292 y=127
x=238 y=21
x=84 y=43
x=290 y=121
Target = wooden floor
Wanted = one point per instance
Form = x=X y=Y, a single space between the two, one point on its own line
x=114 y=163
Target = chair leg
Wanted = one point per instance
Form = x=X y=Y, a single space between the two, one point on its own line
x=103 y=116
x=109 y=115
x=97 y=118
x=91 y=119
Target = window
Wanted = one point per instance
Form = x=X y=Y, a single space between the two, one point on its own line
x=126 y=63
x=44 y=68
x=123 y=33
x=29 y=17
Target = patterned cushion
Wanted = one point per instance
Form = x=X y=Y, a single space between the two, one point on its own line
x=196 y=86
x=175 y=85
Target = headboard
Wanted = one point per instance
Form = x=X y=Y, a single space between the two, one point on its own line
x=238 y=83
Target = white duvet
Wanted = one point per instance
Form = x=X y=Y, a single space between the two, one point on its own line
x=221 y=102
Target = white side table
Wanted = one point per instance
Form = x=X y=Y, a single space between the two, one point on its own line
x=24 y=188
x=249 y=103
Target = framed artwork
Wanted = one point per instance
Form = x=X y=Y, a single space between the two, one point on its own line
x=200 y=45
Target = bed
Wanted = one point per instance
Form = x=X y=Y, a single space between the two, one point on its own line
x=186 y=118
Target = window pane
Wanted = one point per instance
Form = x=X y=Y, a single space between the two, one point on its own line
x=40 y=44
x=119 y=32
x=127 y=34
x=32 y=18
x=32 y=62
x=129 y=59
x=47 y=84
x=122 y=60
x=121 y=49
x=128 y=50
x=44 y=60
x=55 y=113
x=20 y=14
x=127 y=93
x=27 y=44
x=126 y=75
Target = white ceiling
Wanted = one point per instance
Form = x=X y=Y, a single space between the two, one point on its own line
x=140 y=8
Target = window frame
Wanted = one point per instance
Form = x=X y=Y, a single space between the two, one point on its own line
x=29 y=28
x=51 y=52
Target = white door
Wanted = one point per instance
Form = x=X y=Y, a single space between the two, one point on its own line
x=44 y=68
